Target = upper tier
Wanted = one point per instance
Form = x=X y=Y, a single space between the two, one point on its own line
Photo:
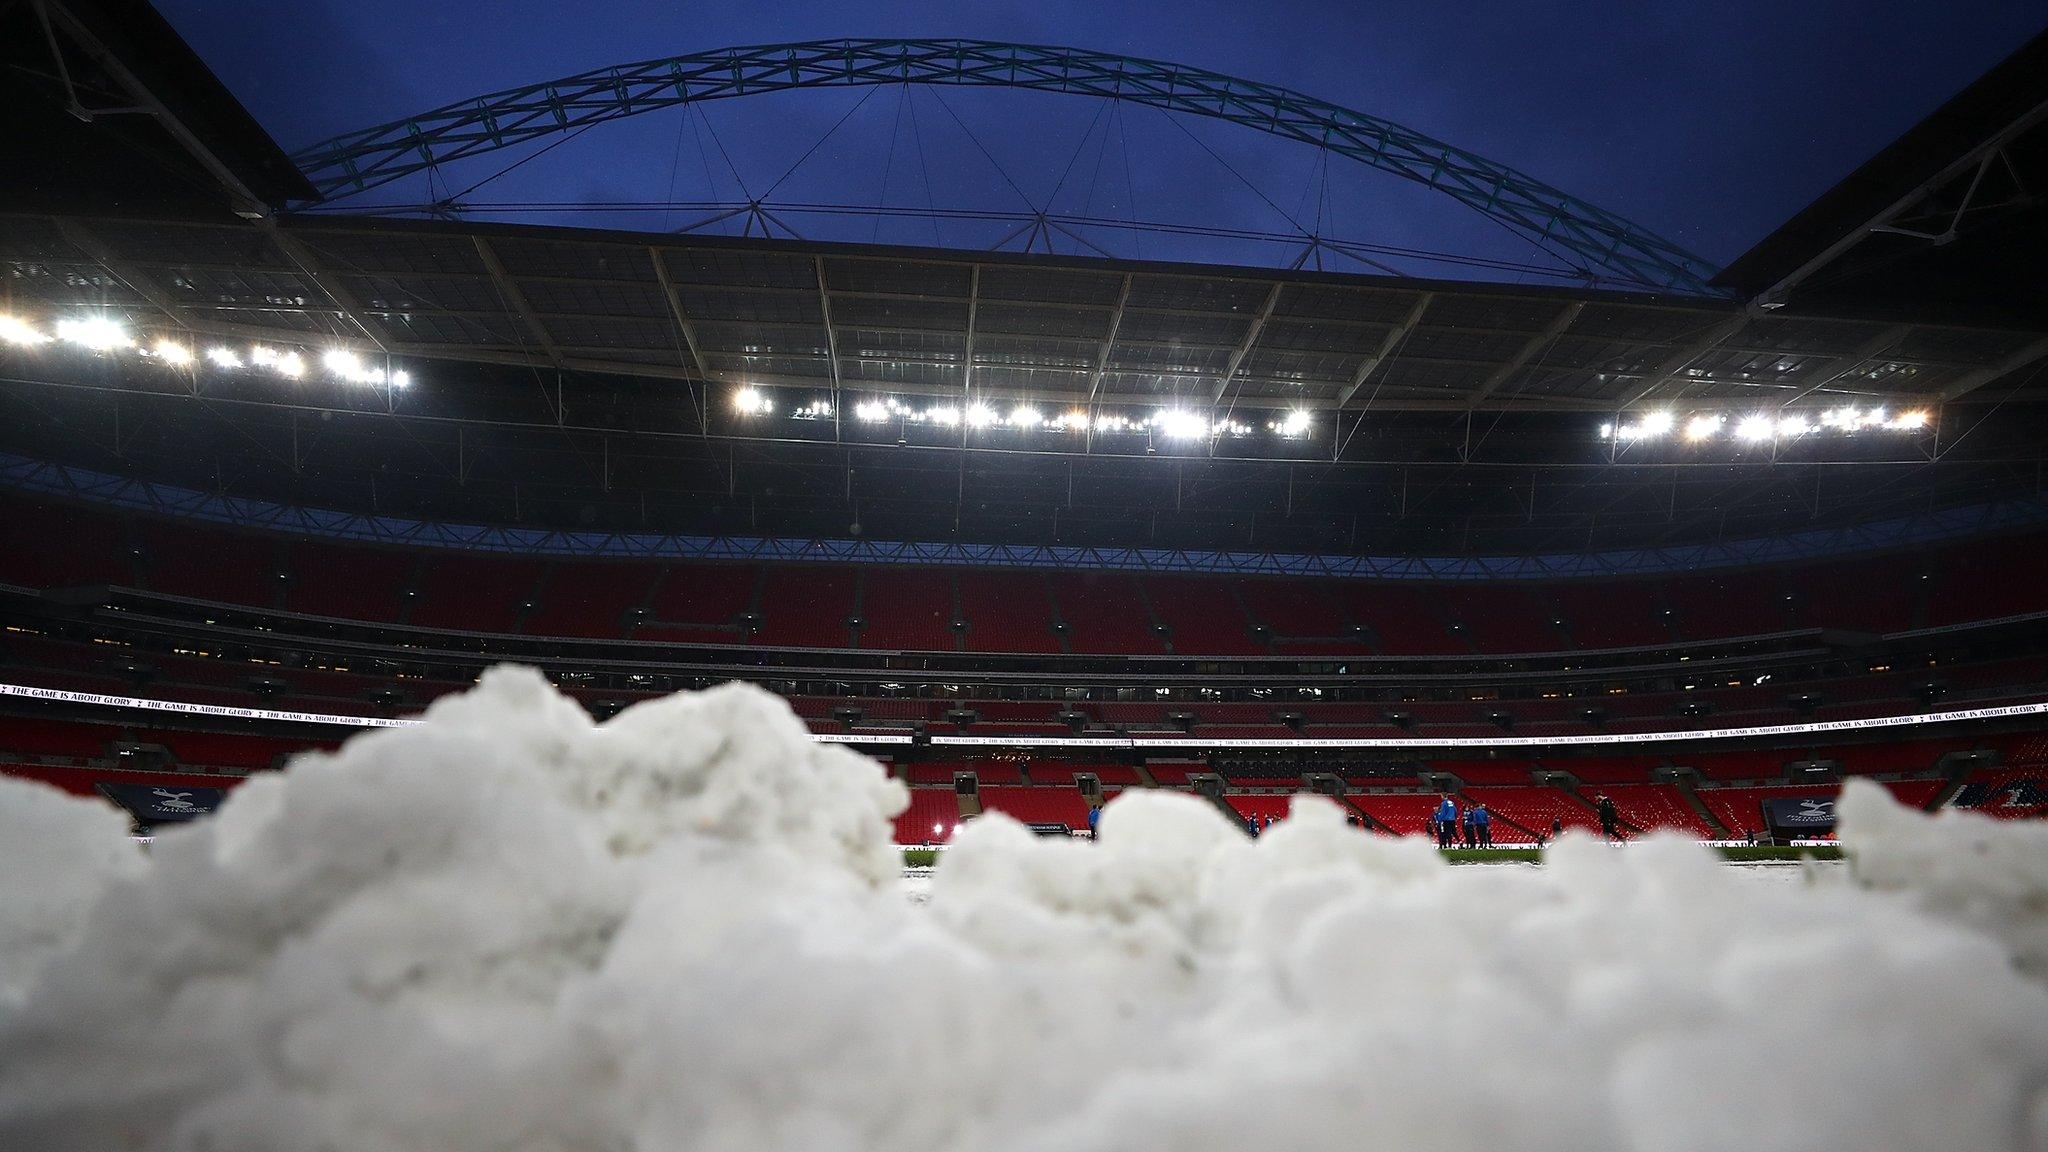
x=47 y=545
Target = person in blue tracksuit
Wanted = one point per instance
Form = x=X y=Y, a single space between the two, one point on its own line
x=1483 y=821
x=1446 y=822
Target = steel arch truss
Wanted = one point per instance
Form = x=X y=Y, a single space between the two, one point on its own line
x=1602 y=245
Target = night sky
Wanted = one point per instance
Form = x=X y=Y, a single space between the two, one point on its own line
x=1709 y=123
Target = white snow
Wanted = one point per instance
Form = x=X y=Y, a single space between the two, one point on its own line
x=511 y=929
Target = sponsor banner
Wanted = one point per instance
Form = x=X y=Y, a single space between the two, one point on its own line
x=1142 y=740
x=163 y=805
x=185 y=708
x=102 y=700
x=1814 y=813
x=1040 y=741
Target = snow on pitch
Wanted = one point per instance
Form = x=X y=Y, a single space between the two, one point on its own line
x=511 y=929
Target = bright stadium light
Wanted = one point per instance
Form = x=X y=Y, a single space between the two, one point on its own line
x=286 y=364
x=1754 y=428
x=1025 y=416
x=1907 y=421
x=1655 y=424
x=1702 y=427
x=944 y=415
x=980 y=415
x=350 y=367
x=871 y=411
x=401 y=380
x=1794 y=426
x=95 y=332
x=15 y=330
x=1294 y=423
x=1180 y=424
x=172 y=352
x=224 y=357
x=750 y=402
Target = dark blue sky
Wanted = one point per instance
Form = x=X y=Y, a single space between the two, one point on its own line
x=1709 y=123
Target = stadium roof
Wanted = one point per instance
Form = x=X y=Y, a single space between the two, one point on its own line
x=581 y=378
x=1059 y=330
x=1947 y=221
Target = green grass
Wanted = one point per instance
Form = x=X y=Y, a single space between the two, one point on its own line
x=1762 y=853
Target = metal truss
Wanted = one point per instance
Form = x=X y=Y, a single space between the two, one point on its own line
x=31 y=475
x=1602 y=245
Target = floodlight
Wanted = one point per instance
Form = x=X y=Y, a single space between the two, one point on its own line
x=224 y=357
x=1754 y=428
x=871 y=411
x=15 y=330
x=1294 y=423
x=1025 y=416
x=95 y=332
x=1907 y=421
x=172 y=352
x=751 y=402
x=1180 y=424
x=1702 y=427
x=980 y=415
x=1655 y=423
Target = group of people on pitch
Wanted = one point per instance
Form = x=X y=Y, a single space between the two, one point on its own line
x=1477 y=824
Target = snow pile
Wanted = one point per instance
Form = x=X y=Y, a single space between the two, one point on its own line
x=57 y=852
x=1989 y=874
x=512 y=929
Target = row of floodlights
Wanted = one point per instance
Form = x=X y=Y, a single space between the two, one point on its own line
x=1761 y=427
x=102 y=334
x=1173 y=423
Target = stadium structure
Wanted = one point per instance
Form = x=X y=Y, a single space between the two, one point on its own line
x=1033 y=520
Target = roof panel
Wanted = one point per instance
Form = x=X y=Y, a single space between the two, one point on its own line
x=439 y=328
x=1312 y=336
x=64 y=284
x=1222 y=330
x=150 y=243
x=708 y=304
x=858 y=311
x=1528 y=314
x=1327 y=302
x=393 y=251
x=897 y=277
x=442 y=293
x=574 y=259
x=1029 y=320
x=1049 y=285
x=1197 y=293
x=610 y=332
x=714 y=266
x=625 y=299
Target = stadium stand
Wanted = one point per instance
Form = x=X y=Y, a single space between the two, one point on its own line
x=1035 y=805
x=591 y=599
